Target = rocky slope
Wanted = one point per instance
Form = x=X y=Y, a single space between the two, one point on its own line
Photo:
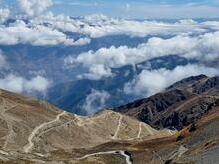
x=35 y=128
x=33 y=131
x=179 y=105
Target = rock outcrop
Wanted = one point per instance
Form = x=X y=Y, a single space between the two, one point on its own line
x=179 y=105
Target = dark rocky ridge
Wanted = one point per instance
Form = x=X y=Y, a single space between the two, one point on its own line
x=181 y=104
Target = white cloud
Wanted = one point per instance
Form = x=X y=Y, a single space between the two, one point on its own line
x=39 y=35
x=96 y=26
x=148 y=82
x=99 y=25
x=96 y=72
x=20 y=85
x=33 y=8
x=95 y=101
x=202 y=47
x=59 y=22
x=81 y=41
x=37 y=83
x=123 y=55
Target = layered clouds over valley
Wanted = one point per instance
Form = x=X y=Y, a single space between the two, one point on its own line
x=108 y=60
x=148 y=82
x=10 y=81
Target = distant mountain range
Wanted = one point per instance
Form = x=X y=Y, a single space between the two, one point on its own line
x=72 y=95
x=36 y=132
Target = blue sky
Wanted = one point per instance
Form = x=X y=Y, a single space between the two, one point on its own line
x=141 y=9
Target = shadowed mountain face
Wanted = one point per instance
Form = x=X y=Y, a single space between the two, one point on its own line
x=34 y=131
x=180 y=105
x=72 y=95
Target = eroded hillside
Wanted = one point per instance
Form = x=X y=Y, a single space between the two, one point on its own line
x=34 y=131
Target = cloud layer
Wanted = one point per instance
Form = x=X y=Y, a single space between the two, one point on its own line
x=20 y=33
x=96 y=26
x=36 y=26
x=203 y=48
x=148 y=82
x=21 y=85
x=52 y=29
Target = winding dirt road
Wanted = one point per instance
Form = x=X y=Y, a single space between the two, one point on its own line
x=28 y=147
x=139 y=131
x=5 y=117
x=118 y=127
x=121 y=152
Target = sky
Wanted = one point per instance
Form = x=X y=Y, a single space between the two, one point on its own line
x=98 y=46
x=138 y=9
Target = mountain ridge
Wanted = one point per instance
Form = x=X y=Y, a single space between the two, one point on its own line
x=36 y=127
x=34 y=131
x=197 y=92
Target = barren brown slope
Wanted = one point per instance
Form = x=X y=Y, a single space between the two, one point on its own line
x=194 y=144
x=197 y=143
x=32 y=131
x=32 y=128
x=181 y=104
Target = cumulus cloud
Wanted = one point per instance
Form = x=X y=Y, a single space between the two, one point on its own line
x=148 y=82
x=59 y=22
x=95 y=101
x=33 y=8
x=123 y=55
x=103 y=26
x=39 y=35
x=37 y=83
x=202 y=47
x=20 y=85
x=96 y=72
x=81 y=41
x=96 y=26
